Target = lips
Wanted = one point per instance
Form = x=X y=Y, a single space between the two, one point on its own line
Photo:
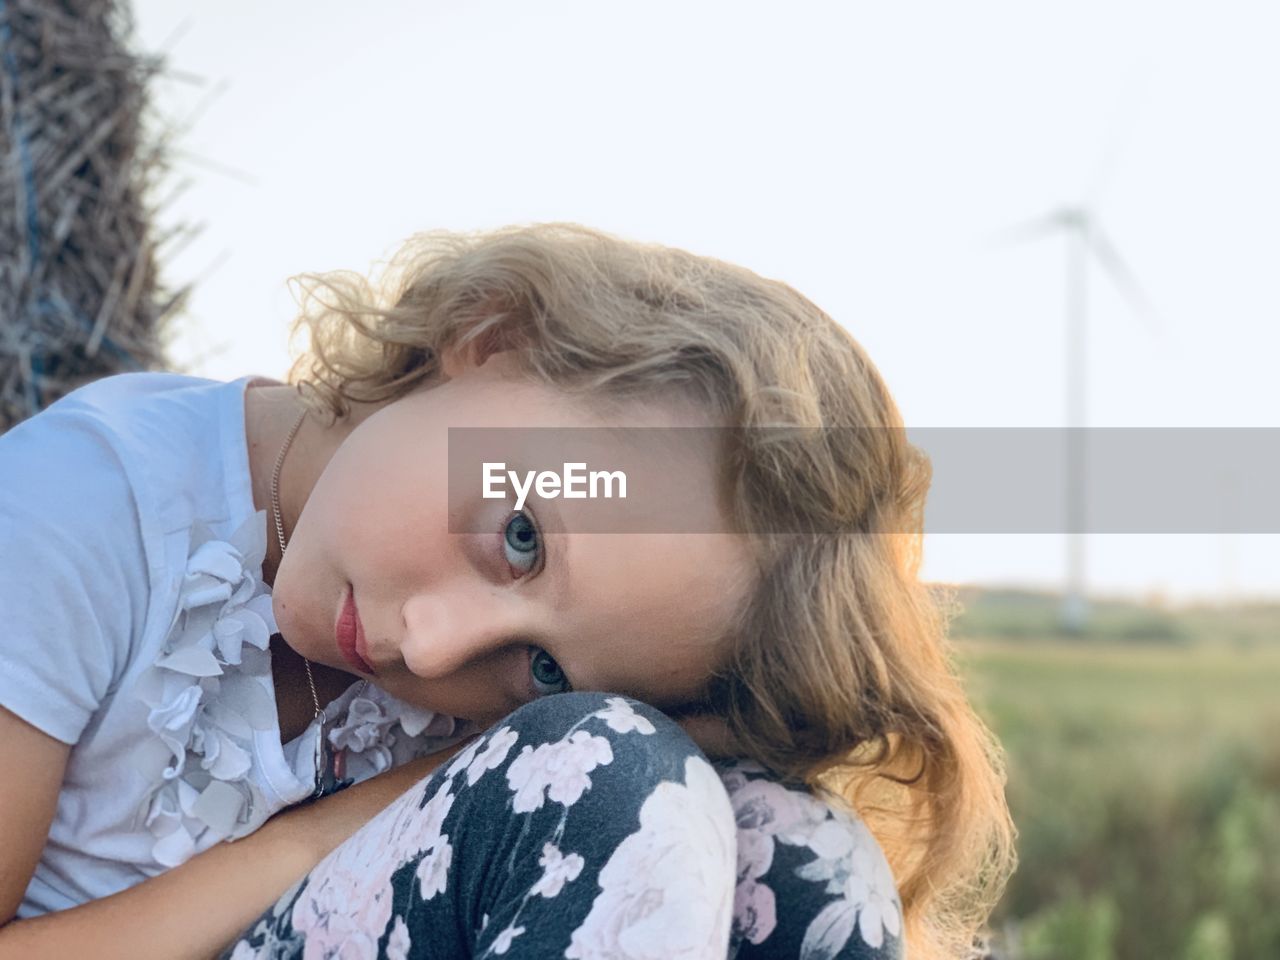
x=350 y=636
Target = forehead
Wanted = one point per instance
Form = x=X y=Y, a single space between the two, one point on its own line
x=500 y=393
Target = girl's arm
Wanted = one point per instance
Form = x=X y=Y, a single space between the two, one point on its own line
x=35 y=763
x=196 y=909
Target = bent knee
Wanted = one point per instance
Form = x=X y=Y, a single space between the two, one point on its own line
x=635 y=745
x=605 y=714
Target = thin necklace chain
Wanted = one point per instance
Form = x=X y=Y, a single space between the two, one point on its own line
x=275 y=509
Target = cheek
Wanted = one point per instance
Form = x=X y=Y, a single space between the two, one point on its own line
x=474 y=694
x=373 y=522
x=289 y=608
x=384 y=481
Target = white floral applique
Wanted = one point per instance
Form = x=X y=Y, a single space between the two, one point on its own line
x=621 y=718
x=556 y=770
x=433 y=869
x=493 y=755
x=349 y=892
x=205 y=697
x=348 y=898
x=557 y=870
x=503 y=942
x=245 y=952
x=847 y=861
x=398 y=943
x=559 y=771
x=853 y=866
x=667 y=889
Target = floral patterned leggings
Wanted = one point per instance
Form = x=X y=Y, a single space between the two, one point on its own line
x=590 y=826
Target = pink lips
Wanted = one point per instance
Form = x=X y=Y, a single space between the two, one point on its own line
x=350 y=634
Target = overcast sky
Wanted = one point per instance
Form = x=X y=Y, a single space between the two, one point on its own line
x=864 y=153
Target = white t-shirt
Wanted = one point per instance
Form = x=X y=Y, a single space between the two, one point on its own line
x=136 y=628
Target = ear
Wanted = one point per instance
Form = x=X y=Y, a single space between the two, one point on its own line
x=457 y=359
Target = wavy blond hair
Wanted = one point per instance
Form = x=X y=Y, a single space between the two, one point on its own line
x=838 y=671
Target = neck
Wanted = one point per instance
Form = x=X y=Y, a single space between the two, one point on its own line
x=294 y=705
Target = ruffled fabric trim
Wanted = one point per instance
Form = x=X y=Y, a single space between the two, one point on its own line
x=210 y=692
x=380 y=732
x=204 y=696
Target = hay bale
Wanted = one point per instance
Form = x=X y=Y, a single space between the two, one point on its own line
x=79 y=293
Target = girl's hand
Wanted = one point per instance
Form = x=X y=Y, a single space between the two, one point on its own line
x=325 y=823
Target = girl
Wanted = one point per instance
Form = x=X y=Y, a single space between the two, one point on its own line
x=268 y=614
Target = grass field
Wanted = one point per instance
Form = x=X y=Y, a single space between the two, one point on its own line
x=1144 y=776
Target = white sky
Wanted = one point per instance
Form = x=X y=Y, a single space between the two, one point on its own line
x=864 y=153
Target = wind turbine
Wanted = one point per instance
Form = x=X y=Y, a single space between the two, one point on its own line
x=1084 y=237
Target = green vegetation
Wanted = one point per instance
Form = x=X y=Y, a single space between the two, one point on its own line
x=1144 y=776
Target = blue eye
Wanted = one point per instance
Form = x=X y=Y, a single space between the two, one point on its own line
x=520 y=542
x=547 y=673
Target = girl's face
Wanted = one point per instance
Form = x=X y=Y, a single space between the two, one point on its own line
x=473 y=625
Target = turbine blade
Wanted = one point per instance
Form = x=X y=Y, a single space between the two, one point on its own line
x=1119 y=138
x=1123 y=277
x=1032 y=229
x=1106 y=168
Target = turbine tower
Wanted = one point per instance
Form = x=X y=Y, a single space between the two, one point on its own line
x=1084 y=236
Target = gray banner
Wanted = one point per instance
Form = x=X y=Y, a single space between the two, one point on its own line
x=985 y=479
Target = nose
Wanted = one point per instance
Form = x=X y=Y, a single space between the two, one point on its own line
x=455 y=625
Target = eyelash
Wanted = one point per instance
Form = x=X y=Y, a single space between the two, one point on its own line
x=533 y=653
x=539 y=563
x=540 y=559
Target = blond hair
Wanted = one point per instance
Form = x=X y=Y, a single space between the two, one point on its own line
x=838 y=671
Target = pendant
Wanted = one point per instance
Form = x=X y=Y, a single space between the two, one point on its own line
x=330 y=765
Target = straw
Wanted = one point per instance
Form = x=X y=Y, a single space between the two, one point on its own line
x=80 y=294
